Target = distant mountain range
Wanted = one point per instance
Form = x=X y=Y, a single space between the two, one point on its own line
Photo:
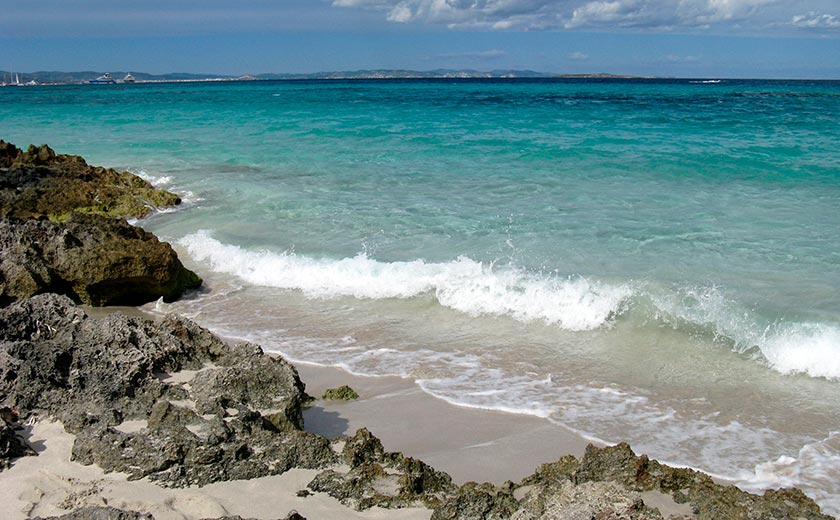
x=84 y=76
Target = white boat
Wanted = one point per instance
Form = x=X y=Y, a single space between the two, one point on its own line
x=104 y=79
x=128 y=78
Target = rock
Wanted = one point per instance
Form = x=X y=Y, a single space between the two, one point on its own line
x=95 y=373
x=111 y=513
x=619 y=465
x=39 y=183
x=12 y=445
x=603 y=500
x=100 y=513
x=90 y=258
x=379 y=478
x=478 y=502
x=342 y=393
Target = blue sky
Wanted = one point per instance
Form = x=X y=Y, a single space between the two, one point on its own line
x=688 y=38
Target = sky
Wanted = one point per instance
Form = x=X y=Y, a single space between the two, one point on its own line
x=674 y=38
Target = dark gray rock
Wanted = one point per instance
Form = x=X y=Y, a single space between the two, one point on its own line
x=95 y=373
x=12 y=445
x=100 y=513
x=90 y=258
x=379 y=478
x=628 y=473
x=478 y=502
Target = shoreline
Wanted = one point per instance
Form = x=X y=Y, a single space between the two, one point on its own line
x=209 y=426
x=469 y=444
x=476 y=445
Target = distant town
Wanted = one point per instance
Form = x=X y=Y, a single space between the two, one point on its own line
x=8 y=78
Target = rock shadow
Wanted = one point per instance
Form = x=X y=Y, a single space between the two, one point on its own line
x=317 y=419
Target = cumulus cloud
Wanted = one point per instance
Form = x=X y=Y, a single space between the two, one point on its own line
x=577 y=56
x=816 y=21
x=597 y=14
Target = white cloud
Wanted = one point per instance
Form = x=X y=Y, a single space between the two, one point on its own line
x=577 y=56
x=601 y=14
x=401 y=13
x=816 y=21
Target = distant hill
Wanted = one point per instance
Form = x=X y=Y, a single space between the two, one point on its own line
x=84 y=76
x=54 y=76
x=401 y=73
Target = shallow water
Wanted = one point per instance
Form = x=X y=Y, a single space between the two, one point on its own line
x=649 y=261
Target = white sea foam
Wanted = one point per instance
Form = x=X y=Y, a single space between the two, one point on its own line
x=789 y=348
x=471 y=287
x=156 y=181
x=814 y=468
x=809 y=348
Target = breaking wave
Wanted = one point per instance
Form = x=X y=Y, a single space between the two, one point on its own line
x=571 y=303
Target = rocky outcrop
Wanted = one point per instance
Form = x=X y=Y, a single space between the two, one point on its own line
x=57 y=233
x=231 y=412
x=380 y=478
x=90 y=258
x=39 y=183
x=100 y=513
x=111 y=513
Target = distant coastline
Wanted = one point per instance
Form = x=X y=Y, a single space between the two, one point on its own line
x=84 y=77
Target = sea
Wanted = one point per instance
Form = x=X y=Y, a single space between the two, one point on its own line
x=649 y=261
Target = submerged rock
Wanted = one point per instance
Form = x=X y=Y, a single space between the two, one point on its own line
x=92 y=259
x=39 y=183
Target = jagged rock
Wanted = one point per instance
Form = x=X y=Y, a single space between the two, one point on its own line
x=53 y=357
x=39 y=183
x=111 y=513
x=95 y=373
x=90 y=258
x=342 y=393
x=379 y=478
x=478 y=502
x=100 y=513
x=602 y=500
x=618 y=464
x=246 y=379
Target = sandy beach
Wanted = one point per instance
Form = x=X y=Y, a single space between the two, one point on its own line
x=469 y=444
x=50 y=484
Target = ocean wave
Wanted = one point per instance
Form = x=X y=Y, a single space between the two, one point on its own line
x=574 y=304
x=474 y=288
x=787 y=347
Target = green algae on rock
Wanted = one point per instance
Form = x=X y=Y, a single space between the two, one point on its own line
x=342 y=393
x=40 y=183
x=62 y=231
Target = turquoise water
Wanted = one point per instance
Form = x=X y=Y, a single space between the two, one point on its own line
x=650 y=261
